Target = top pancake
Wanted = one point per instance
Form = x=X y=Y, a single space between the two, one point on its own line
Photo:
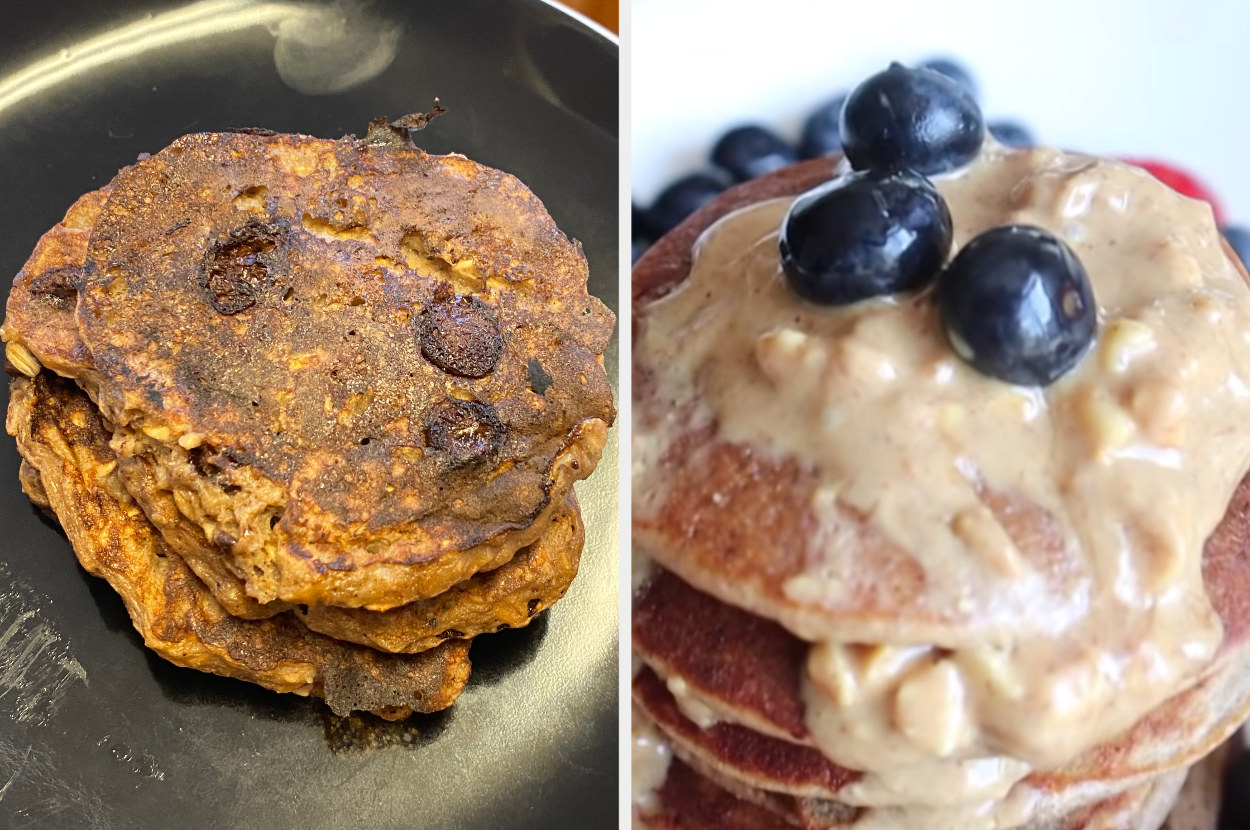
x=367 y=370
x=738 y=520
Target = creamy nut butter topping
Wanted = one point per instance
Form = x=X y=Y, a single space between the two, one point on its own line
x=1068 y=522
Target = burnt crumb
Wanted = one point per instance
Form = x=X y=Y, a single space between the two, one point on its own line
x=236 y=271
x=385 y=133
x=56 y=287
x=460 y=334
x=466 y=431
x=539 y=380
x=179 y=226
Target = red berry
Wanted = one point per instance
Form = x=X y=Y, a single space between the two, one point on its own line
x=1182 y=182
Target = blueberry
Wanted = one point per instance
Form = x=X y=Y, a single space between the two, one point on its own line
x=953 y=70
x=864 y=235
x=682 y=198
x=1239 y=239
x=1011 y=134
x=913 y=118
x=750 y=151
x=1017 y=305
x=822 y=133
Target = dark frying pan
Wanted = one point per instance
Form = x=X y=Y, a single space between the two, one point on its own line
x=137 y=743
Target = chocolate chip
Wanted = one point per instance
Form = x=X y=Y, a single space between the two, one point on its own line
x=460 y=334
x=236 y=271
x=467 y=431
x=539 y=380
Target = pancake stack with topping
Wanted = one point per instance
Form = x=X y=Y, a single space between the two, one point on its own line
x=940 y=513
x=313 y=408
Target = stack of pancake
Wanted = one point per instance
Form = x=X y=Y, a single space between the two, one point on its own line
x=723 y=736
x=313 y=408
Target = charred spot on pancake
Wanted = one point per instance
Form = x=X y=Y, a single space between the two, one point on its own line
x=536 y=375
x=236 y=271
x=460 y=334
x=56 y=287
x=467 y=431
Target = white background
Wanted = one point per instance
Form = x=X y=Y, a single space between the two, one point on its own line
x=1155 y=78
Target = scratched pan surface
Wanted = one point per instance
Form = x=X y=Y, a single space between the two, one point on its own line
x=95 y=732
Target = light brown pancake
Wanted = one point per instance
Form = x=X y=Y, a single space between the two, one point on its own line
x=383 y=366
x=60 y=435
x=736 y=522
x=689 y=800
x=709 y=646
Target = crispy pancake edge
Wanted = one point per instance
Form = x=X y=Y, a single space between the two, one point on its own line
x=60 y=435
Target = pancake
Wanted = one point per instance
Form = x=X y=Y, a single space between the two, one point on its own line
x=367 y=372
x=714 y=625
x=61 y=437
x=711 y=648
x=689 y=800
x=509 y=596
x=735 y=521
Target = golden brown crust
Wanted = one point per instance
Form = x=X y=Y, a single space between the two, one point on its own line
x=297 y=311
x=60 y=434
x=507 y=597
x=510 y=596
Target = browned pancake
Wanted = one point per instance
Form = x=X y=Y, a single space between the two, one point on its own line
x=746 y=755
x=369 y=372
x=709 y=646
x=688 y=800
x=746 y=664
x=507 y=597
x=61 y=438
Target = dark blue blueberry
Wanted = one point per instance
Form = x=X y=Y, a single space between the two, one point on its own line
x=1017 y=305
x=822 y=132
x=682 y=198
x=953 y=70
x=750 y=151
x=914 y=118
x=1239 y=239
x=864 y=235
x=1011 y=134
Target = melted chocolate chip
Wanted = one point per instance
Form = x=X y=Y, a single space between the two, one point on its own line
x=235 y=271
x=537 y=376
x=467 y=431
x=460 y=335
